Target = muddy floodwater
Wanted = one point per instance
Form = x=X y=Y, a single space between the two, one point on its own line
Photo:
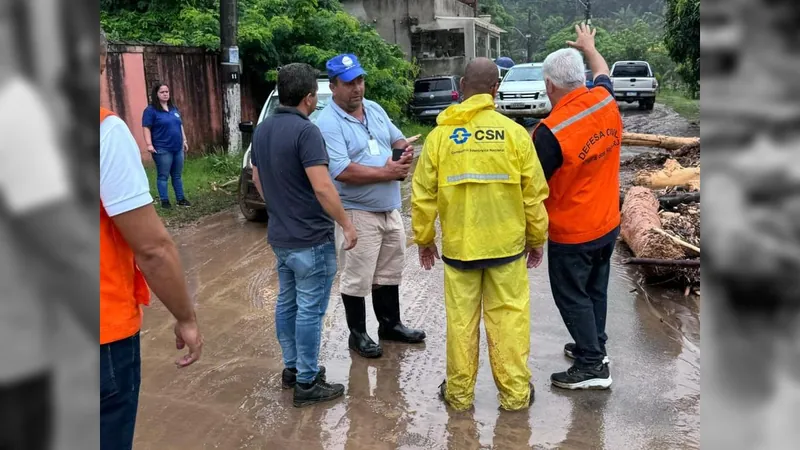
x=232 y=398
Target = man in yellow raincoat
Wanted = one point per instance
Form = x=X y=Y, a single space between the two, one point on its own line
x=479 y=171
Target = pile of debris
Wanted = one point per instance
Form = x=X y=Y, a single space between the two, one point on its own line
x=660 y=201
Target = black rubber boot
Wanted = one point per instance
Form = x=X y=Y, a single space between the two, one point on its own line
x=386 y=303
x=359 y=340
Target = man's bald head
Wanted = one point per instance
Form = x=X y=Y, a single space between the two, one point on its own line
x=480 y=77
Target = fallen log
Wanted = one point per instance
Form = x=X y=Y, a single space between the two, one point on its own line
x=670 y=200
x=639 y=219
x=673 y=174
x=657 y=140
x=662 y=262
x=674 y=199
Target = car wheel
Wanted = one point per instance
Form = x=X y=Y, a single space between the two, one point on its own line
x=252 y=215
x=651 y=104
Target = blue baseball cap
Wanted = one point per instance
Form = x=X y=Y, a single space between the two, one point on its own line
x=345 y=67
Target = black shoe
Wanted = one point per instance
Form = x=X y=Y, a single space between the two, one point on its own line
x=359 y=341
x=386 y=303
x=185 y=203
x=165 y=204
x=319 y=392
x=289 y=377
x=597 y=377
x=569 y=350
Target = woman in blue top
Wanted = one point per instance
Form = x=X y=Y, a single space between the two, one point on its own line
x=166 y=141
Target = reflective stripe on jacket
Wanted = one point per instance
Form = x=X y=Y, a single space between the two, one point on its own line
x=123 y=288
x=584 y=192
x=480 y=172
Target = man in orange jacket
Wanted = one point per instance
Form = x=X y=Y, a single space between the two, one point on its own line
x=579 y=149
x=132 y=237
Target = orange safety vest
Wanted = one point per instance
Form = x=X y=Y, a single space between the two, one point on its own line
x=584 y=192
x=123 y=288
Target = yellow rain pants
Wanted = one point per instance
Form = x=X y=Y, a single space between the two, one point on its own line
x=503 y=292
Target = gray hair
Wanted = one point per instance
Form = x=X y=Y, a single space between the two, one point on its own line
x=565 y=68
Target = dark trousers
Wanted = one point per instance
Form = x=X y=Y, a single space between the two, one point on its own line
x=579 y=280
x=120 y=377
x=26 y=412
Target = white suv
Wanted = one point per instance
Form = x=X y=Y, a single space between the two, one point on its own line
x=250 y=203
x=522 y=93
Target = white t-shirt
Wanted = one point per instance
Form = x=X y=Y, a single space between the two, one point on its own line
x=33 y=175
x=123 y=181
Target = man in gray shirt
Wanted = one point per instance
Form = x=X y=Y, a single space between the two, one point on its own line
x=360 y=138
x=290 y=171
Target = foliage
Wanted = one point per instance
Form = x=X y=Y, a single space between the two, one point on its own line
x=500 y=18
x=271 y=33
x=681 y=103
x=639 y=41
x=627 y=29
x=203 y=177
x=682 y=39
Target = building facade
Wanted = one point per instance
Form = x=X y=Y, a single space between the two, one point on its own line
x=441 y=35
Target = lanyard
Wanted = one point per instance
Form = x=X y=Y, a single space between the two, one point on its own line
x=365 y=124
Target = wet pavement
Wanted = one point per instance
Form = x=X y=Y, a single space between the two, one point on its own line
x=232 y=398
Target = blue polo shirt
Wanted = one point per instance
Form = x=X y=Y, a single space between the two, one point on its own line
x=347 y=140
x=165 y=128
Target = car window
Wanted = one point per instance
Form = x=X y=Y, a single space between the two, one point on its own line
x=443 y=84
x=524 y=74
x=630 y=70
x=272 y=105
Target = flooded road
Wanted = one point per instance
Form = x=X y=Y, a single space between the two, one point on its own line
x=232 y=398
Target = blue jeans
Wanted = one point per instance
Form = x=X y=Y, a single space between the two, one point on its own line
x=305 y=276
x=169 y=164
x=120 y=377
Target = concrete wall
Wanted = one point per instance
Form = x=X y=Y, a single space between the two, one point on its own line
x=453 y=8
x=123 y=90
x=442 y=66
x=389 y=16
x=194 y=80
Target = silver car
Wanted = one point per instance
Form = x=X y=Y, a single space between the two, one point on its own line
x=522 y=93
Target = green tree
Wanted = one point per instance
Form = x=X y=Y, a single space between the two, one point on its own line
x=639 y=42
x=682 y=39
x=500 y=18
x=271 y=33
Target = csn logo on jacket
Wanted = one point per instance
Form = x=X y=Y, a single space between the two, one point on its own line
x=461 y=135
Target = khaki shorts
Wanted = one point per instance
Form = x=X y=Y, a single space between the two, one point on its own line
x=379 y=255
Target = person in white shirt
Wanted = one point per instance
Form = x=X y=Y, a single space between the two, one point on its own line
x=48 y=252
x=138 y=246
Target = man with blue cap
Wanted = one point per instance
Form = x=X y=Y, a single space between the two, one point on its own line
x=360 y=137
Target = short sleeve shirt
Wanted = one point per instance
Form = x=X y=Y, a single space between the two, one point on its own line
x=348 y=141
x=284 y=145
x=33 y=175
x=165 y=128
x=123 y=181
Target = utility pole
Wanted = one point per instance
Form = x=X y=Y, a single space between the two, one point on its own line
x=232 y=101
x=528 y=37
x=588 y=12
